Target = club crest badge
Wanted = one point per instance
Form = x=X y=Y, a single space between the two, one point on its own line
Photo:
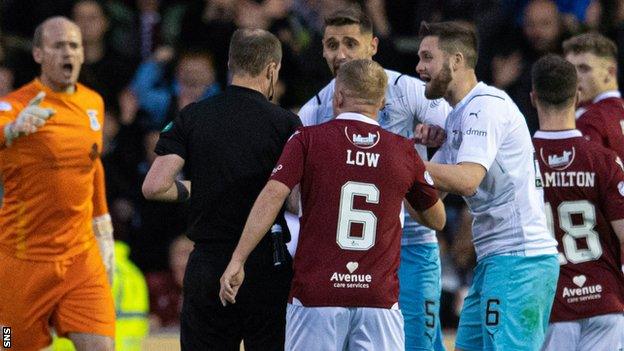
x=93 y=120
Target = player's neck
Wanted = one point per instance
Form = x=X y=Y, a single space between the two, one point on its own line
x=56 y=87
x=461 y=85
x=605 y=89
x=369 y=111
x=556 y=120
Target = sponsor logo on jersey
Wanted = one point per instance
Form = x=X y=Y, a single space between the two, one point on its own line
x=559 y=162
x=93 y=119
x=476 y=132
x=351 y=280
x=580 y=292
x=5 y=106
x=474 y=114
x=363 y=142
x=458 y=136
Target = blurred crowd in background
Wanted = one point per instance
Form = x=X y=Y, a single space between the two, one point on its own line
x=150 y=58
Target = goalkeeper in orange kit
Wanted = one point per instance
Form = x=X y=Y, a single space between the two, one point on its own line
x=56 y=238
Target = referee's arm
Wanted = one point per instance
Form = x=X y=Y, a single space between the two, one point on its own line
x=161 y=184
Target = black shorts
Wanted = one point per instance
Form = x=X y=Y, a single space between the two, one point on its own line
x=258 y=317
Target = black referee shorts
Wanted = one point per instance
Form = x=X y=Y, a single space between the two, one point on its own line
x=258 y=318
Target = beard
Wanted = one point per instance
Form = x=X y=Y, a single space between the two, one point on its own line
x=436 y=88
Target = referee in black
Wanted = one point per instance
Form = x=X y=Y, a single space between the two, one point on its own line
x=230 y=142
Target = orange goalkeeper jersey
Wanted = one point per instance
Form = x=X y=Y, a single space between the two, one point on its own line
x=53 y=179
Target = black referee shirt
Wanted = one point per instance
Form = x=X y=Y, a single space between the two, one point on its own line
x=230 y=144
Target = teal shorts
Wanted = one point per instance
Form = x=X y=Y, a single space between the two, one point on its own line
x=419 y=296
x=508 y=305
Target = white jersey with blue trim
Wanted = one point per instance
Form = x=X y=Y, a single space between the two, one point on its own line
x=487 y=128
x=405 y=106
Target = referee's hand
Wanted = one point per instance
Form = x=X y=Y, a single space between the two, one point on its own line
x=231 y=281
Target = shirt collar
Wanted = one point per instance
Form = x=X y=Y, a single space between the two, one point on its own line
x=607 y=94
x=558 y=134
x=468 y=96
x=352 y=116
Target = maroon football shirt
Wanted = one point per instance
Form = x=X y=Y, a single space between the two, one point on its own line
x=584 y=190
x=603 y=121
x=354 y=176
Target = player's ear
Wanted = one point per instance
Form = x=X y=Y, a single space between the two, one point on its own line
x=457 y=60
x=533 y=99
x=37 y=54
x=577 y=97
x=374 y=45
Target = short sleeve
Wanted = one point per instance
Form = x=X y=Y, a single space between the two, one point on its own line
x=482 y=133
x=173 y=138
x=614 y=192
x=289 y=169
x=422 y=194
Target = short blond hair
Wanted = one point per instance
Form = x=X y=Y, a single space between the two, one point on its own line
x=363 y=79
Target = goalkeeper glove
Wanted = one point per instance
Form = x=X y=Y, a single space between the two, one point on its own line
x=103 y=230
x=28 y=121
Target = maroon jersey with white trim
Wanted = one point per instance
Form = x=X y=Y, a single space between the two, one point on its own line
x=584 y=190
x=354 y=176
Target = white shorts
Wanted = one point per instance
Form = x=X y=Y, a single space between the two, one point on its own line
x=343 y=328
x=599 y=333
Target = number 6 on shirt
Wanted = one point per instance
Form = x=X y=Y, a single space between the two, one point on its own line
x=349 y=215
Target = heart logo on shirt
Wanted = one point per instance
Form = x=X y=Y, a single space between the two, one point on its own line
x=579 y=280
x=352 y=266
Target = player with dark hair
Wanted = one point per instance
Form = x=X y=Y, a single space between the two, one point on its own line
x=488 y=158
x=584 y=189
x=348 y=35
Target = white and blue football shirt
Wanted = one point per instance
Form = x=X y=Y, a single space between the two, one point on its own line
x=487 y=128
x=405 y=106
